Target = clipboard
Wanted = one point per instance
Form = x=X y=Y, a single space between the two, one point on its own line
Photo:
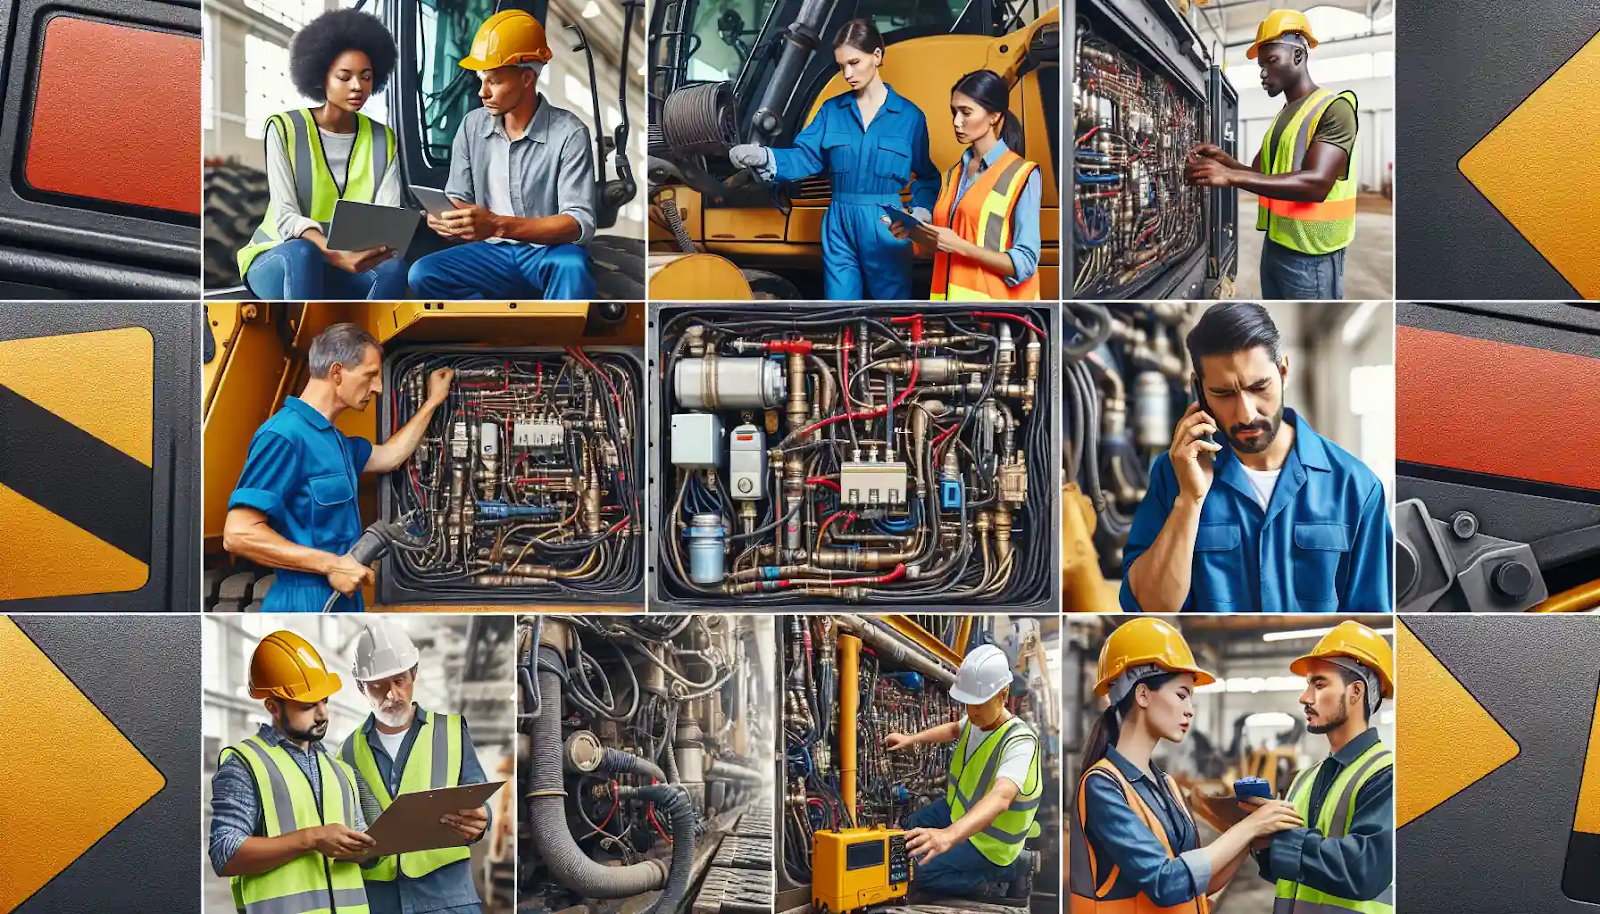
x=411 y=823
x=358 y=226
x=905 y=219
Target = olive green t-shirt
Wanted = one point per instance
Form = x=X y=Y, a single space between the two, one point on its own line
x=1338 y=126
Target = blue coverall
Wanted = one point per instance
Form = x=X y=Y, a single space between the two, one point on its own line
x=868 y=166
x=1120 y=838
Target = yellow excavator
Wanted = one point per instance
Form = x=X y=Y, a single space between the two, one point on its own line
x=730 y=71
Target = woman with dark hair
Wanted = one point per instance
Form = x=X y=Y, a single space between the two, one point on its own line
x=871 y=142
x=985 y=228
x=1134 y=844
x=318 y=156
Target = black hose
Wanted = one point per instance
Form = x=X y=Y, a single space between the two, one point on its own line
x=674 y=803
x=615 y=761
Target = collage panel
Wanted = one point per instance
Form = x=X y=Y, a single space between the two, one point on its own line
x=1240 y=765
x=807 y=455
x=359 y=765
x=102 y=763
x=1228 y=457
x=644 y=748
x=416 y=150
x=1237 y=149
x=99 y=456
x=920 y=760
x=405 y=456
x=804 y=150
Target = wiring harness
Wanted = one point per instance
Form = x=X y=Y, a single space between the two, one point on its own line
x=525 y=480
x=1132 y=212
x=889 y=456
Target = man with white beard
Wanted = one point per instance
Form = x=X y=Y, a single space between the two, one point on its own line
x=402 y=748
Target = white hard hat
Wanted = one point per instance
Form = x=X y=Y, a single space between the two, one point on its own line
x=382 y=650
x=984 y=672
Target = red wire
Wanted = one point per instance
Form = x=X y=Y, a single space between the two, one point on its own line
x=616 y=800
x=824 y=481
x=1016 y=317
x=876 y=411
x=652 y=816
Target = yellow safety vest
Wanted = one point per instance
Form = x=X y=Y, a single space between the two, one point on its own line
x=1338 y=810
x=310 y=883
x=434 y=762
x=970 y=779
x=1310 y=228
x=1087 y=896
x=316 y=191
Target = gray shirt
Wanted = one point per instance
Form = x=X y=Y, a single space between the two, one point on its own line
x=336 y=151
x=548 y=172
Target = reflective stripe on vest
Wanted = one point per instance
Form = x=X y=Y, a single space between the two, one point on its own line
x=971 y=778
x=1087 y=896
x=1310 y=228
x=434 y=762
x=983 y=218
x=310 y=883
x=316 y=191
x=1333 y=821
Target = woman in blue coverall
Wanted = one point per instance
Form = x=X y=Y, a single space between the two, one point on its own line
x=871 y=142
x=1148 y=674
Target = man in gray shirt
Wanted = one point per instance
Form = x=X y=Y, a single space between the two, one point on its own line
x=522 y=179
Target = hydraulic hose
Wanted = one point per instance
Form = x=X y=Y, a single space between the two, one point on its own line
x=675 y=804
x=552 y=839
x=728 y=771
x=615 y=761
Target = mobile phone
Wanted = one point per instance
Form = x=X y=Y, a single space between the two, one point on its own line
x=1200 y=398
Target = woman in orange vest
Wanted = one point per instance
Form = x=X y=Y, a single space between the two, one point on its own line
x=1134 y=845
x=985 y=229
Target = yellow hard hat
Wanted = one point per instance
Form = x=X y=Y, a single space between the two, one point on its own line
x=285 y=665
x=506 y=39
x=1277 y=23
x=1147 y=640
x=1353 y=640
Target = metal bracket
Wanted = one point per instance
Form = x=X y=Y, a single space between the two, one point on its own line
x=1450 y=566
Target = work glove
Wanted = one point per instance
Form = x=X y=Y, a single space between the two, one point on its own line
x=921 y=214
x=749 y=155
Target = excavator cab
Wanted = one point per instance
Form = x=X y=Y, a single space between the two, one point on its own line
x=724 y=72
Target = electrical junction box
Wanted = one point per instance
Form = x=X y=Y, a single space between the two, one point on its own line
x=872 y=483
x=537 y=435
x=852 y=868
x=747 y=463
x=697 y=441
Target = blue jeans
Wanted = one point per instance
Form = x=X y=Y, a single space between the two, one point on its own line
x=296 y=270
x=962 y=870
x=1289 y=275
x=479 y=269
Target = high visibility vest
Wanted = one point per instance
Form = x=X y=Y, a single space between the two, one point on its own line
x=1338 y=809
x=983 y=218
x=316 y=191
x=310 y=883
x=971 y=778
x=434 y=762
x=1310 y=228
x=1087 y=895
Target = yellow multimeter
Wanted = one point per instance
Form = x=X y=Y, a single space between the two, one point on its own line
x=855 y=867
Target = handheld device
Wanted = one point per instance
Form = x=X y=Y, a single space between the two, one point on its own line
x=433 y=200
x=1252 y=787
x=358 y=226
x=1200 y=398
x=852 y=868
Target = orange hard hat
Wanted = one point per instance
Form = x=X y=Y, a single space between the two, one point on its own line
x=1278 y=23
x=285 y=665
x=1363 y=645
x=1146 y=641
x=507 y=39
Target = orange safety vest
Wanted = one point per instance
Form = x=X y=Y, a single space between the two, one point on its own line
x=1087 y=895
x=983 y=218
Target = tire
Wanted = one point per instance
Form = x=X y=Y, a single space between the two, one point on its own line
x=235 y=200
x=766 y=286
x=617 y=264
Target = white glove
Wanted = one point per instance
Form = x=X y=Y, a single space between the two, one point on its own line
x=921 y=214
x=749 y=155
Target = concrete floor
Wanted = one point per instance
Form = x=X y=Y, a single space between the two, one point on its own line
x=1368 y=262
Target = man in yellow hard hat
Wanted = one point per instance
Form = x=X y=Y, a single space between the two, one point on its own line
x=1344 y=859
x=1304 y=173
x=286 y=817
x=521 y=178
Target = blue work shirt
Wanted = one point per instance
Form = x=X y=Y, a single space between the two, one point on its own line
x=1323 y=544
x=448 y=889
x=301 y=473
x=1119 y=837
x=236 y=803
x=867 y=165
x=1025 y=242
x=1359 y=866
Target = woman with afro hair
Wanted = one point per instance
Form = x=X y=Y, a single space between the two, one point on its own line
x=318 y=156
